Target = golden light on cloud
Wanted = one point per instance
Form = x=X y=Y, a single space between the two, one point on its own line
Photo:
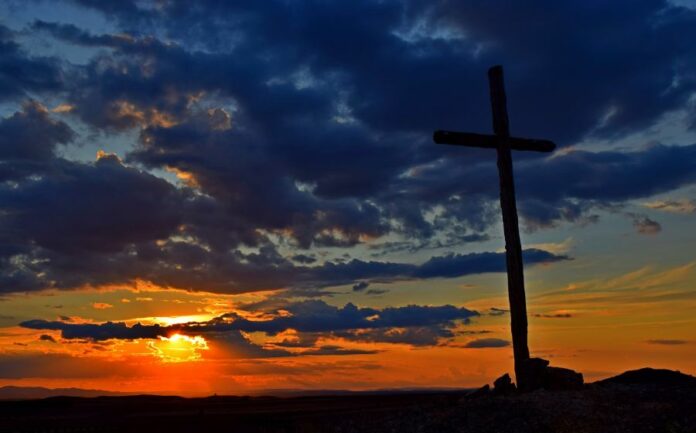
x=63 y=108
x=179 y=348
x=101 y=154
x=555 y=247
x=176 y=320
x=148 y=117
x=679 y=206
x=185 y=177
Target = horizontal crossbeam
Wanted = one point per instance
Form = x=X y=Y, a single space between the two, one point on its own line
x=492 y=141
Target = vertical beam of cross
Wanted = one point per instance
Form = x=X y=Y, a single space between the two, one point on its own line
x=503 y=144
x=508 y=205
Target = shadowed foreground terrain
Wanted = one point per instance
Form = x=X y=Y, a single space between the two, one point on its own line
x=639 y=401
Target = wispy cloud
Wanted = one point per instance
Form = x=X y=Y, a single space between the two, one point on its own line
x=484 y=343
x=679 y=206
x=667 y=342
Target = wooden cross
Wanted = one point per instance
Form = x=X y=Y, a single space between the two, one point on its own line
x=503 y=143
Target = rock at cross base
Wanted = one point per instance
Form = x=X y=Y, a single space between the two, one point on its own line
x=481 y=392
x=534 y=372
x=558 y=378
x=539 y=375
x=503 y=385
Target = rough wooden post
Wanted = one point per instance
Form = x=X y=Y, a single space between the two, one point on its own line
x=513 y=248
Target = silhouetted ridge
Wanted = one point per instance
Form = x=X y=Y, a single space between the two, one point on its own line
x=651 y=376
x=640 y=401
x=36 y=392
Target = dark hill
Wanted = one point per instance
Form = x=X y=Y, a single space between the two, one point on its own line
x=651 y=376
x=641 y=401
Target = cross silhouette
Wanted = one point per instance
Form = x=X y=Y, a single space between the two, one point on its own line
x=503 y=143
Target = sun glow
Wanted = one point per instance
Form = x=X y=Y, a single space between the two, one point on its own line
x=177 y=320
x=179 y=348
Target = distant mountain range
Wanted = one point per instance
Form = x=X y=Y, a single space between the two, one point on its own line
x=32 y=393
x=35 y=392
x=347 y=392
x=636 y=377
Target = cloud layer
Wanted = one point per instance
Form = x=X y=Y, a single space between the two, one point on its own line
x=308 y=320
x=300 y=133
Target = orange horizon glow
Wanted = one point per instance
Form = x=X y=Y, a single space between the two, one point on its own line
x=594 y=326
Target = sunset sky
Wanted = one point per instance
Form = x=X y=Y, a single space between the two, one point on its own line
x=244 y=196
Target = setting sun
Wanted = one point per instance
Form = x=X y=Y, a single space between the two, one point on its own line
x=179 y=348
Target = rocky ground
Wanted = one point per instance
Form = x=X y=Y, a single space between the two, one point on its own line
x=636 y=402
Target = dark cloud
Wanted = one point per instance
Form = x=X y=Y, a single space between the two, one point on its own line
x=393 y=57
x=412 y=324
x=103 y=216
x=414 y=336
x=376 y=292
x=360 y=286
x=307 y=125
x=337 y=350
x=482 y=343
x=271 y=271
x=31 y=135
x=112 y=223
x=107 y=192
x=451 y=240
x=241 y=347
x=28 y=141
x=583 y=181
x=73 y=34
x=553 y=316
x=645 y=225
x=553 y=72
x=611 y=175
x=305 y=259
x=498 y=311
x=21 y=73
x=667 y=342
x=46 y=337
x=303 y=340
x=588 y=179
x=99 y=332
x=317 y=316
x=473 y=332
x=447 y=266
x=97 y=207
x=462 y=264
x=378 y=49
x=228 y=166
